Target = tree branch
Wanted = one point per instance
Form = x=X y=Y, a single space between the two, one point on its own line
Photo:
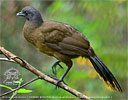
x=42 y=75
x=6 y=59
x=20 y=86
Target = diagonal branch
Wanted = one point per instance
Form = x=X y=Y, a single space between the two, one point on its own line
x=42 y=75
x=20 y=87
x=6 y=59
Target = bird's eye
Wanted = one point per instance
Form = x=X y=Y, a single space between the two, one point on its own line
x=28 y=13
x=25 y=13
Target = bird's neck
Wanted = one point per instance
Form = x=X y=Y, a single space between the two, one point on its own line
x=36 y=22
x=29 y=27
x=29 y=30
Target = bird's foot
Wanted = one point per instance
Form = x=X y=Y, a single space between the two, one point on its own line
x=53 y=77
x=54 y=67
x=58 y=81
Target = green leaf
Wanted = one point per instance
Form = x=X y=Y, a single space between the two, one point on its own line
x=19 y=81
x=24 y=91
x=6 y=86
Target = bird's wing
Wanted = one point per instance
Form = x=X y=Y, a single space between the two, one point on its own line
x=68 y=41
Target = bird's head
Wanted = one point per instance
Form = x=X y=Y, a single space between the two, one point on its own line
x=31 y=14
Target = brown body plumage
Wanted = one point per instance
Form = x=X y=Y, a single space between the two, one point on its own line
x=63 y=42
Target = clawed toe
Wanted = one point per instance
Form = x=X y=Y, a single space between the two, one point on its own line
x=54 y=67
x=59 y=82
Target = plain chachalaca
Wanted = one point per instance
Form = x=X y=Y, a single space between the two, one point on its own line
x=63 y=42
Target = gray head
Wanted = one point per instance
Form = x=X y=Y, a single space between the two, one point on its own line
x=31 y=14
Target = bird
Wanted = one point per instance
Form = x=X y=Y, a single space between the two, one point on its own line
x=63 y=42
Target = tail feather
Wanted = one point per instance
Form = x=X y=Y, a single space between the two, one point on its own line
x=105 y=73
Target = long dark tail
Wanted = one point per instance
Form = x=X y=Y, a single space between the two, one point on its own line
x=105 y=73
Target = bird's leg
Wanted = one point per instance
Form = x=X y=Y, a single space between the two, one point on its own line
x=56 y=79
x=54 y=67
x=62 y=78
x=53 y=77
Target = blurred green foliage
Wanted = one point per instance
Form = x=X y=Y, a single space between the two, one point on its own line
x=103 y=22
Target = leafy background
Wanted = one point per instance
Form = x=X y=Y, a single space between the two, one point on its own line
x=103 y=22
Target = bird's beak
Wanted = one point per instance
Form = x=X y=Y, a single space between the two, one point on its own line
x=20 y=14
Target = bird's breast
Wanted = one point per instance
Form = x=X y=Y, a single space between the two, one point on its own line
x=29 y=32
